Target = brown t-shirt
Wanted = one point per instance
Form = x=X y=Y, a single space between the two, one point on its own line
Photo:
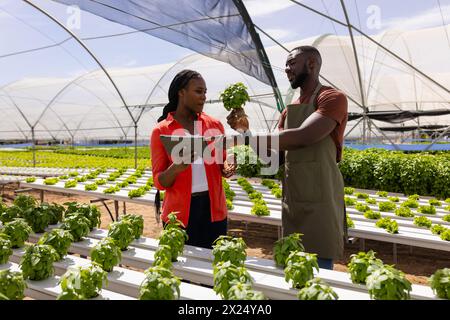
x=332 y=104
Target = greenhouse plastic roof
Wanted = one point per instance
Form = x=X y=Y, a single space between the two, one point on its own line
x=52 y=84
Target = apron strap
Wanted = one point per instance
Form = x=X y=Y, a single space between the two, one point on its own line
x=314 y=95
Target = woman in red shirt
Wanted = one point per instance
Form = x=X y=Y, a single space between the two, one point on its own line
x=194 y=190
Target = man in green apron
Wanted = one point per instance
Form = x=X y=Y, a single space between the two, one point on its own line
x=311 y=134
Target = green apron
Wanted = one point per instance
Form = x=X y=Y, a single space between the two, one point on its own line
x=313 y=190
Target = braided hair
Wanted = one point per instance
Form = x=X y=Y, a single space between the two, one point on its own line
x=180 y=81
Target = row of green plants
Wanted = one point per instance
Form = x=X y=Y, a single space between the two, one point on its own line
x=229 y=194
x=259 y=205
x=115 y=153
x=422 y=173
x=232 y=281
x=86 y=282
x=274 y=187
x=384 y=282
x=55 y=160
x=78 y=221
x=160 y=283
x=289 y=253
x=404 y=210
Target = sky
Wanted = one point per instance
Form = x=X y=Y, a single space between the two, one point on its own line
x=282 y=19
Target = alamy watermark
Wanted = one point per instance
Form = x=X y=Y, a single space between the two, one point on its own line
x=73 y=21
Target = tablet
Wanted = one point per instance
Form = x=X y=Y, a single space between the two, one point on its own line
x=174 y=144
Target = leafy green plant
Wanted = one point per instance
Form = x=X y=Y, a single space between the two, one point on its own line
x=243 y=291
x=55 y=212
x=30 y=179
x=77 y=224
x=440 y=283
x=404 y=212
x=382 y=194
x=373 y=215
x=159 y=284
x=73 y=174
x=174 y=237
x=362 y=207
x=394 y=199
x=163 y=257
x=349 y=190
x=234 y=96
x=349 y=202
x=410 y=203
x=387 y=223
x=100 y=182
x=438 y=229
x=136 y=193
x=260 y=209
x=387 y=206
x=226 y=274
x=38 y=218
x=350 y=223
x=300 y=268
x=317 y=289
x=12 y=284
x=106 y=253
x=434 y=202
x=371 y=201
x=122 y=232
x=445 y=235
x=111 y=190
x=230 y=205
x=415 y=197
x=422 y=222
x=90 y=187
x=5 y=249
x=18 y=231
x=446 y=218
x=37 y=262
x=91 y=212
x=284 y=246
x=11 y=213
x=84 y=281
x=427 y=209
x=361 y=195
x=81 y=179
x=362 y=264
x=277 y=192
x=51 y=181
x=249 y=165
x=70 y=184
x=59 y=239
x=388 y=283
x=25 y=202
x=227 y=248
x=64 y=177
x=137 y=222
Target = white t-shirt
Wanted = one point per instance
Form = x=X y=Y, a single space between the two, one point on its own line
x=199 y=181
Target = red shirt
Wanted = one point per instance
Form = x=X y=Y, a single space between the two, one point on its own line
x=178 y=196
x=332 y=104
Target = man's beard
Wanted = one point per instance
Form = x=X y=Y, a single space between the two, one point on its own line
x=300 y=79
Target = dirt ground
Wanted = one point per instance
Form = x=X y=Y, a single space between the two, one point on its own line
x=417 y=263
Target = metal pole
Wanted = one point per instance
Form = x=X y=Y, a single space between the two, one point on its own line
x=135 y=145
x=33 y=141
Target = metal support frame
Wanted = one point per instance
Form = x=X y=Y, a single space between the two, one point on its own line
x=264 y=59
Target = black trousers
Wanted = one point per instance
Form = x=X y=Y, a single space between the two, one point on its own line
x=201 y=231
